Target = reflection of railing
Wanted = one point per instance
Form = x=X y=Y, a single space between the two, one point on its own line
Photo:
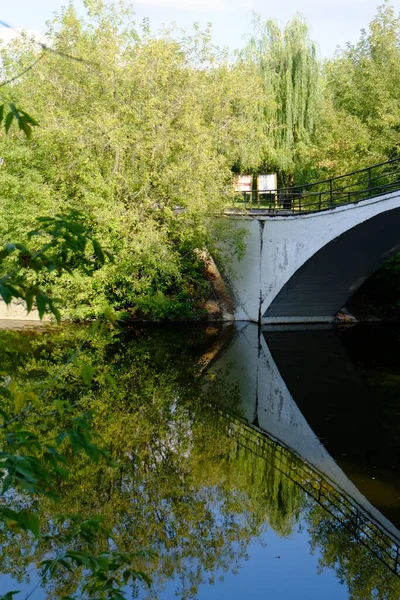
x=342 y=508
x=326 y=194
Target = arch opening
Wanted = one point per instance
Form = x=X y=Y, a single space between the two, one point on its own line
x=326 y=282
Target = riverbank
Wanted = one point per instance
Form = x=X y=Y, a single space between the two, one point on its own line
x=376 y=300
x=16 y=311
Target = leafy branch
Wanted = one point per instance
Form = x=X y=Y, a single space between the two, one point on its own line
x=66 y=249
x=9 y=113
x=31 y=465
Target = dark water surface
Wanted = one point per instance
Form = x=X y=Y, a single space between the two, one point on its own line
x=258 y=464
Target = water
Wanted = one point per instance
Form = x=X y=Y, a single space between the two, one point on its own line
x=251 y=463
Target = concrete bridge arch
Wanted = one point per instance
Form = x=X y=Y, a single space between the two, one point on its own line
x=305 y=267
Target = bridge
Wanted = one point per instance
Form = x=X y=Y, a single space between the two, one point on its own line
x=271 y=421
x=310 y=247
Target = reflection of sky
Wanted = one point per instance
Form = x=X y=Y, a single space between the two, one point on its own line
x=292 y=576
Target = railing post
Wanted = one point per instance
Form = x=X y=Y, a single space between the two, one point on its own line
x=369 y=178
x=331 y=193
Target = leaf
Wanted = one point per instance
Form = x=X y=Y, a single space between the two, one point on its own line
x=23 y=123
x=64 y=563
x=63 y=473
x=126 y=575
x=9 y=120
x=110 y=315
x=4 y=253
x=6 y=293
x=55 y=312
x=30 y=522
x=93 y=452
x=14 y=110
x=57 y=455
x=1 y=113
x=9 y=289
x=19 y=401
x=98 y=251
x=111 y=380
x=92 y=522
x=61 y=437
x=29 y=296
x=87 y=373
x=112 y=463
x=59 y=404
x=9 y=595
x=80 y=558
x=33 y=399
x=28 y=118
x=25 y=127
x=41 y=302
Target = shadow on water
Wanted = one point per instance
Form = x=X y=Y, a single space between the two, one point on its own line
x=223 y=436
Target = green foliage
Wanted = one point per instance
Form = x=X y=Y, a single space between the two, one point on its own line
x=144 y=131
x=65 y=250
x=141 y=126
x=183 y=490
x=362 y=115
x=33 y=464
x=186 y=489
x=365 y=576
x=25 y=121
x=290 y=73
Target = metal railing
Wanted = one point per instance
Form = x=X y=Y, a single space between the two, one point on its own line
x=355 y=519
x=326 y=194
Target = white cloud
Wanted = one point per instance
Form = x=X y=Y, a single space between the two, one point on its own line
x=188 y=5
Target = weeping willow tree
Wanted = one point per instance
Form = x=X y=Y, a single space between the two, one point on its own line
x=287 y=63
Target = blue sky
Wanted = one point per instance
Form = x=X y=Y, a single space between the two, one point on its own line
x=332 y=22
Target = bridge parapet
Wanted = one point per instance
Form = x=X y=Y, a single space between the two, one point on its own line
x=317 y=196
x=304 y=267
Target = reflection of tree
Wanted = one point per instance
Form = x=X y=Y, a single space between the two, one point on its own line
x=195 y=483
x=366 y=577
x=184 y=489
x=363 y=556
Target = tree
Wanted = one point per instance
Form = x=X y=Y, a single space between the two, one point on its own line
x=33 y=461
x=289 y=69
x=363 y=80
x=140 y=132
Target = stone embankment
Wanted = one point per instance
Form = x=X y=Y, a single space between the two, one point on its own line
x=15 y=316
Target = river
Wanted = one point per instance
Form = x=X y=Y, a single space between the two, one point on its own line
x=252 y=463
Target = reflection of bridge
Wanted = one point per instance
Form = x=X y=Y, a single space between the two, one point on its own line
x=273 y=422
x=305 y=263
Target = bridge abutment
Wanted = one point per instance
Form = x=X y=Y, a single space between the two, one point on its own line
x=304 y=268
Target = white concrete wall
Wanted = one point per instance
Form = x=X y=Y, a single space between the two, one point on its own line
x=276 y=247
